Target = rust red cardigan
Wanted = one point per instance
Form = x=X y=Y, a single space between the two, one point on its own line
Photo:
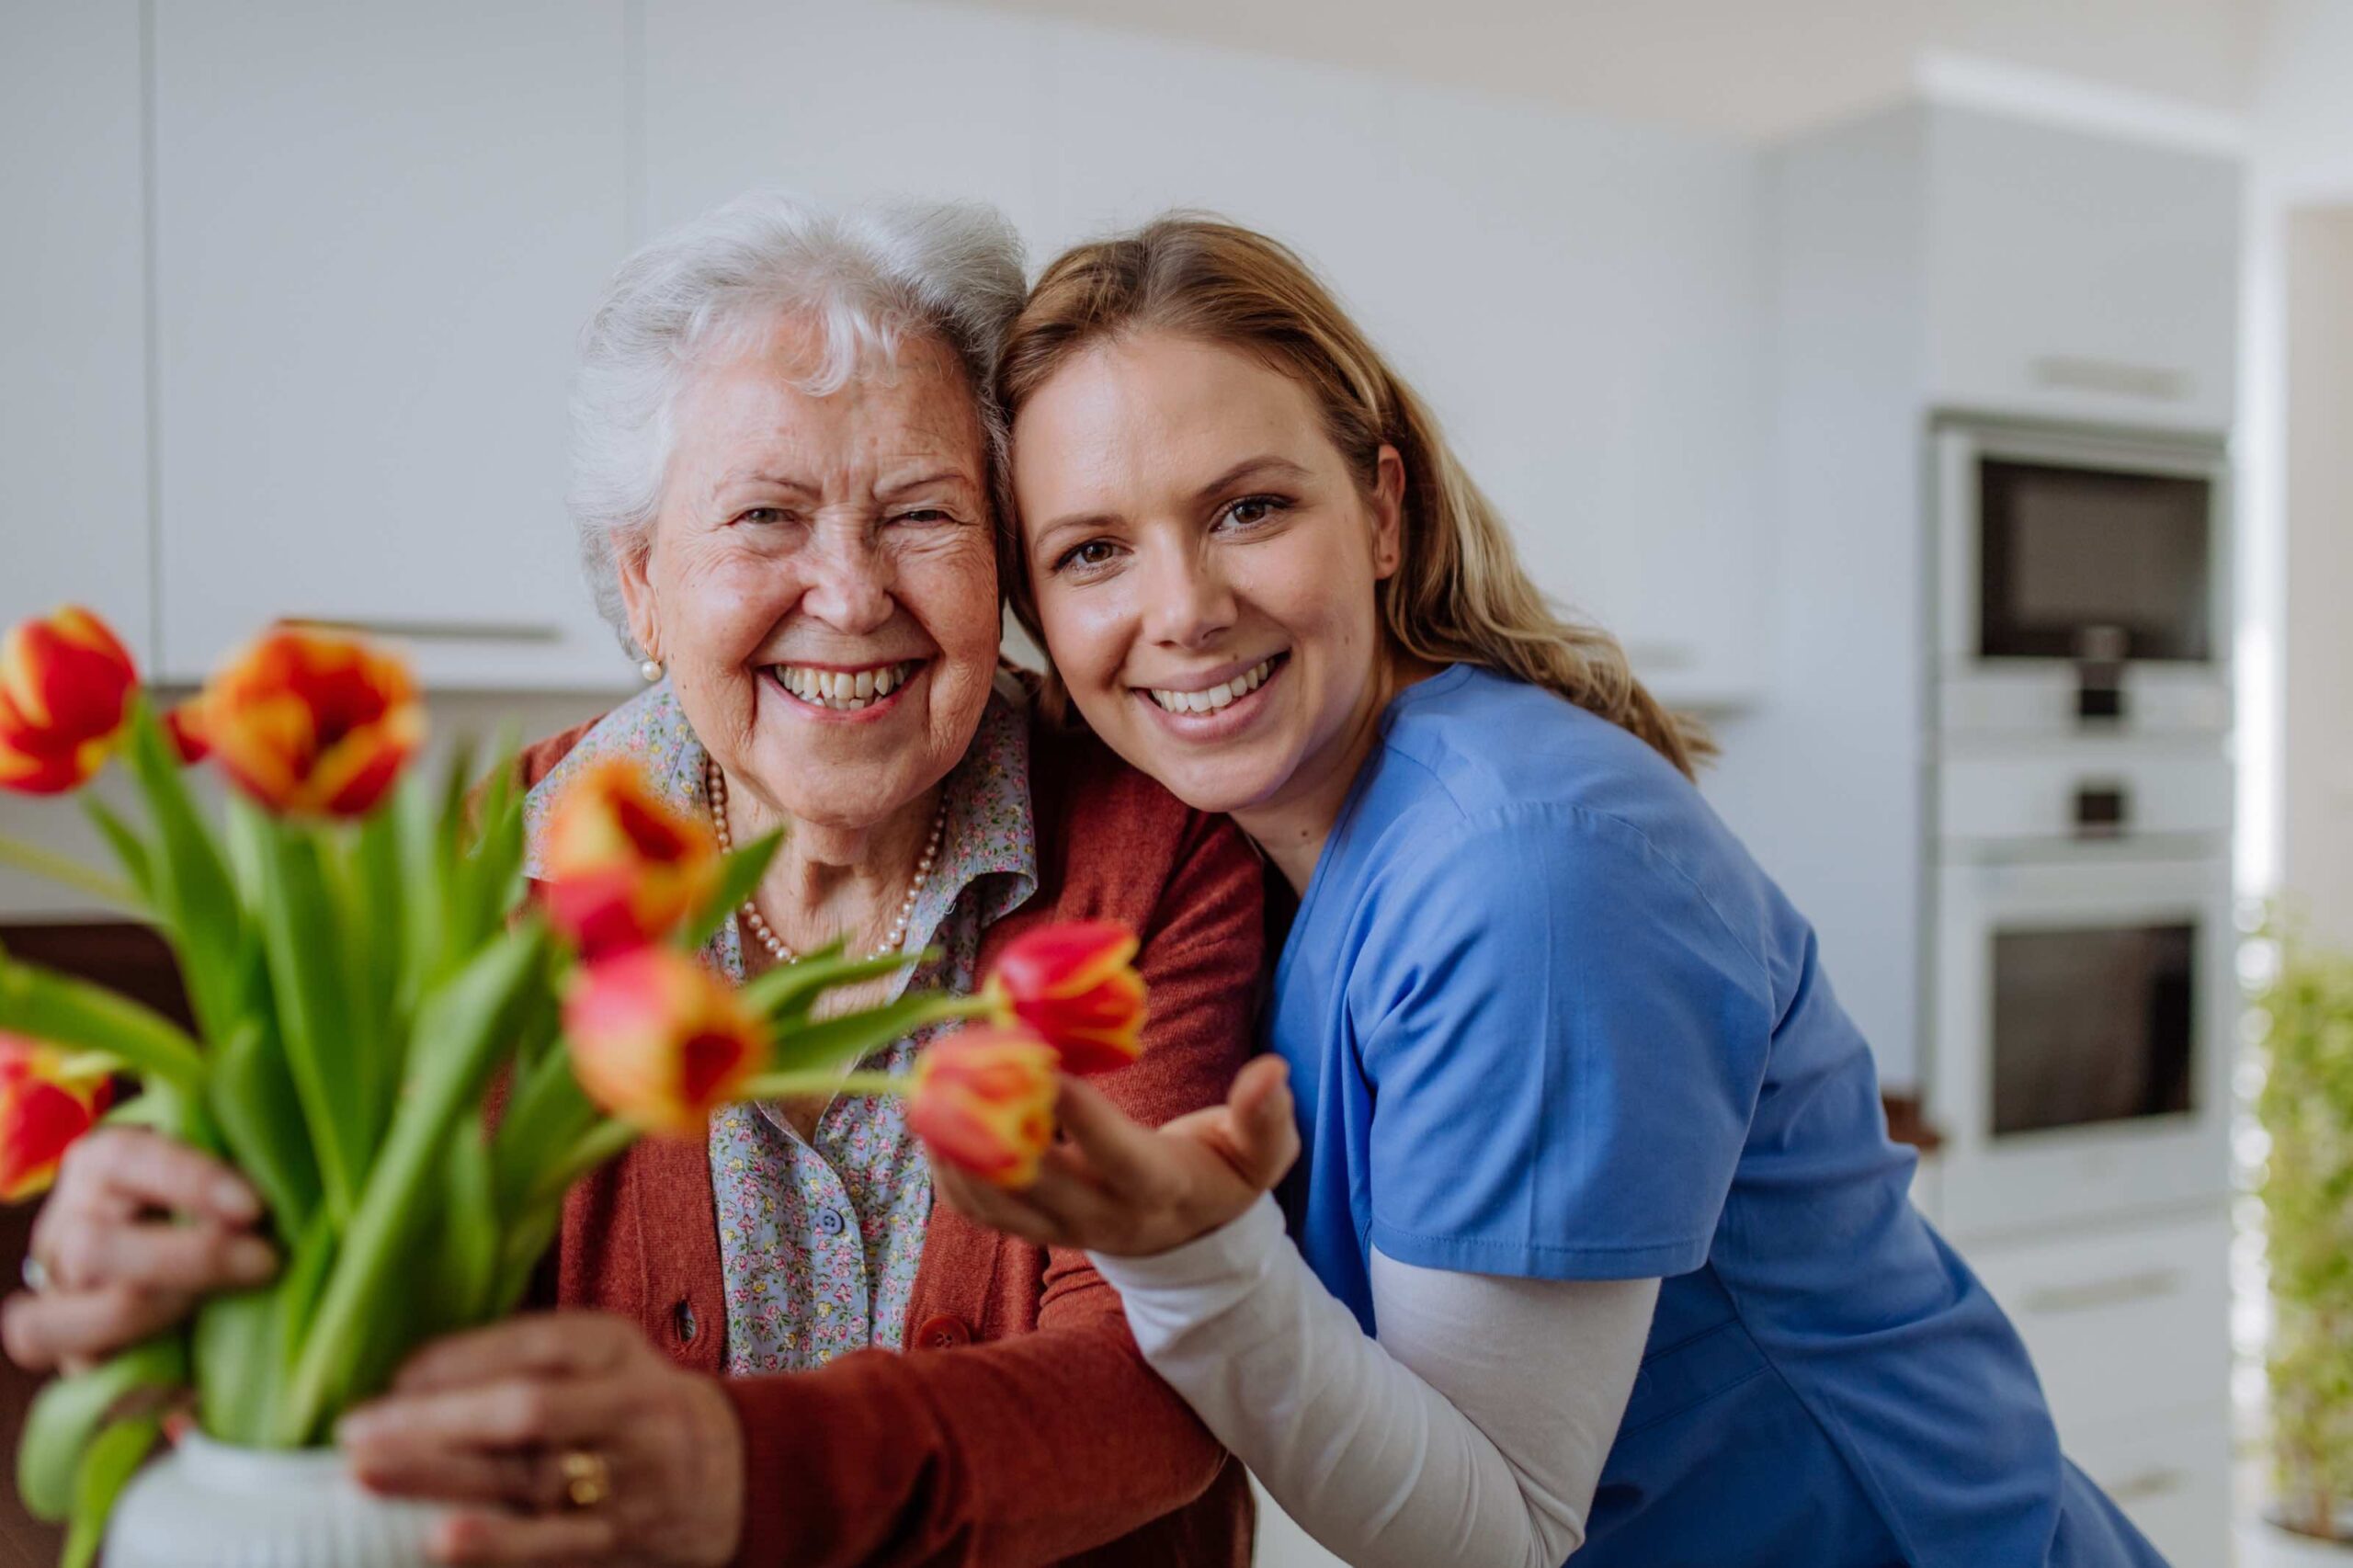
x=1021 y=1426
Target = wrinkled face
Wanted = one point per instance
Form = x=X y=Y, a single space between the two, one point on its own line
x=820 y=580
x=1205 y=566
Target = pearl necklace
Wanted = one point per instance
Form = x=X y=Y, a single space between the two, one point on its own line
x=715 y=790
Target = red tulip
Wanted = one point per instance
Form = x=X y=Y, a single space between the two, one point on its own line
x=658 y=1040
x=313 y=723
x=42 y=1109
x=621 y=868
x=184 y=727
x=1075 y=985
x=984 y=1099
x=65 y=689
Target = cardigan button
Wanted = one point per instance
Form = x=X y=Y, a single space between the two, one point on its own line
x=944 y=1332
x=682 y=1318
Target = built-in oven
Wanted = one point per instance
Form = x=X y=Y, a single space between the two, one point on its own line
x=2082 y=998
x=2082 y=579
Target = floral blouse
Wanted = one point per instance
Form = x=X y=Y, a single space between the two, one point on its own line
x=820 y=1237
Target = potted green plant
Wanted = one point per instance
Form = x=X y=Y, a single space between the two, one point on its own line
x=2305 y=1182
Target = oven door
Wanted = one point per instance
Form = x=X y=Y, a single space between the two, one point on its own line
x=2082 y=580
x=2079 y=1025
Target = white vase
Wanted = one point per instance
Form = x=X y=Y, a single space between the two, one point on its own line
x=207 y=1505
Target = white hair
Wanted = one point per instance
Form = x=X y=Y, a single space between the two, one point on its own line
x=866 y=279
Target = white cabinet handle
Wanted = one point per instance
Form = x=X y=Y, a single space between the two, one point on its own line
x=2113 y=378
x=2052 y=1300
x=2148 y=1484
x=439 y=631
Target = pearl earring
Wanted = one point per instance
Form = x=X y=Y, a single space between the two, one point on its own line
x=650 y=670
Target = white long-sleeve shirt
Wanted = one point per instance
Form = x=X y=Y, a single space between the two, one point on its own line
x=1472 y=1431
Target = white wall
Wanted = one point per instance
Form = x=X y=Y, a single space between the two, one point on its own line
x=2296 y=413
x=2316 y=687
x=1580 y=299
x=1751 y=68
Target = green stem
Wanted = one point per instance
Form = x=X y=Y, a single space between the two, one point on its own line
x=66 y=871
x=784 y=1085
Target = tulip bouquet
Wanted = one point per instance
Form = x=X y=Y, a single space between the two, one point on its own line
x=410 y=1056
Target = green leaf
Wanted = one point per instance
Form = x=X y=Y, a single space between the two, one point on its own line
x=546 y=1113
x=462 y=1263
x=67 y=1413
x=129 y=849
x=82 y=1017
x=606 y=1139
x=460 y=1029
x=302 y=946
x=739 y=873
x=260 y=1115
x=418 y=835
x=113 y=1458
x=785 y=994
x=198 y=903
x=379 y=894
x=837 y=1043
x=531 y=1229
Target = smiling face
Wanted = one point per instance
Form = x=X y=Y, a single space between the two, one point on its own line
x=1205 y=567
x=820 y=579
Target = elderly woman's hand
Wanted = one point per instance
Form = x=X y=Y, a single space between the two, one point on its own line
x=1116 y=1186
x=137 y=1229
x=522 y=1425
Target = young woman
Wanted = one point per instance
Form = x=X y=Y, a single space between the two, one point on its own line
x=1602 y=1244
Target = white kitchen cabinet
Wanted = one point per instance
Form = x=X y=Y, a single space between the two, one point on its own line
x=2122 y=1322
x=2079 y=275
x=1583 y=304
x=378 y=232
x=1579 y=302
x=842 y=102
x=1141 y=125
x=73 y=451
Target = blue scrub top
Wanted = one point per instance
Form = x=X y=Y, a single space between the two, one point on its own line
x=1546 y=1019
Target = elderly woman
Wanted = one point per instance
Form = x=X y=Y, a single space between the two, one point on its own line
x=783 y=484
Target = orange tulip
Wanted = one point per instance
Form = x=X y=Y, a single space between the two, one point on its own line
x=65 y=689
x=42 y=1109
x=621 y=868
x=1075 y=985
x=658 y=1040
x=984 y=1099
x=313 y=723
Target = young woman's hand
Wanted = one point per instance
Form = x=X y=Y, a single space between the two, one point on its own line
x=558 y=1437
x=137 y=1229
x=1114 y=1185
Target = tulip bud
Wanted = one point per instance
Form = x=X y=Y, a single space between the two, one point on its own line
x=184 y=726
x=658 y=1040
x=42 y=1109
x=984 y=1099
x=313 y=723
x=620 y=867
x=1076 y=986
x=65 y=689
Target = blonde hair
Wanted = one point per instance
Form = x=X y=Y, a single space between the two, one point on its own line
x=1459 y=593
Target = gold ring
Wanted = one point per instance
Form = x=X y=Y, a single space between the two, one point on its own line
x=587 y=1478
